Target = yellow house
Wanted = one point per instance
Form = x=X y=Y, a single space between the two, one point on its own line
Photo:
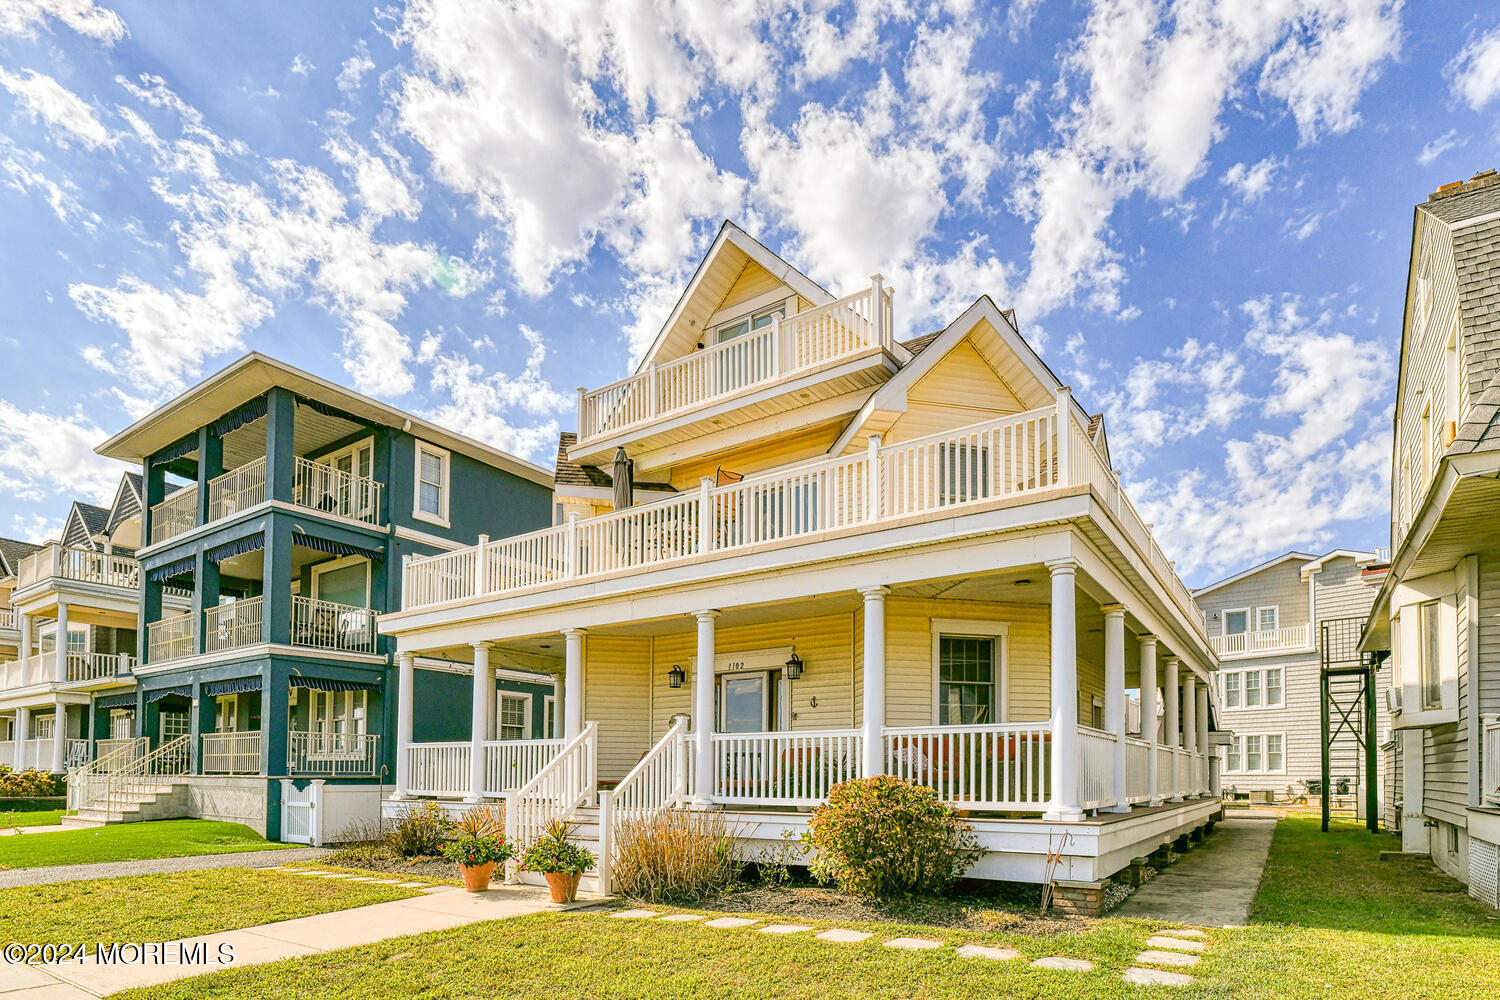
x=790 y=550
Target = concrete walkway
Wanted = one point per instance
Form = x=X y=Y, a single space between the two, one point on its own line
x=435 y=910
x=1213 y=884
x=157 y=866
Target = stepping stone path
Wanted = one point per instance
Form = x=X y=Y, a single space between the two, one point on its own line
x=981 y=951
x=1063 y=964
x=680 y=918
x=785 y=929
x=913 y=944
x=636 y=914
x=1183 y=932
x=1173 y=943
x=1156 y=977
x=724 y=922
x=840 y=936
x=1166 y=958
x=1176 y=947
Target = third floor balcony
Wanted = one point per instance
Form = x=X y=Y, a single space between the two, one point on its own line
x=1292 y=638
x=315 y=624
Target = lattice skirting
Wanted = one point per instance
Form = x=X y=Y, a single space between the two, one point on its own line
x=1484 y=871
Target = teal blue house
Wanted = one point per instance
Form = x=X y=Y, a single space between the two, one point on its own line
x=285 y=505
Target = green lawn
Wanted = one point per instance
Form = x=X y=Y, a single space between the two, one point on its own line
x=46 y=817
x=1331 y=921
x=172 y=838
x=164 y=907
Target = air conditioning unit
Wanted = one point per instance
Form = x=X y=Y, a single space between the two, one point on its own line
x=1393 y=699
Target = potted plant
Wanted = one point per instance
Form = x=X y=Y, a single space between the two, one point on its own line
x=477 y=854
x=556 y=856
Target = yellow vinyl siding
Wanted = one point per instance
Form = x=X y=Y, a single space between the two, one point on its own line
x=752 y=281
x=617 y=695
x=963 y=374
x=770 y=453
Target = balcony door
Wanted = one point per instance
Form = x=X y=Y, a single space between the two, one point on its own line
x=348 y=492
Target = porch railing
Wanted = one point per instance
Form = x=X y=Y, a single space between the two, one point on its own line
x=1137 y=773
x=10 y=619
x=169 y=639
x=1262 y=641
x=983 y=767
x=1490 y=761
x=344 y=628
x=1096 y=768
x=176 y=515
x=98 y=666
x=231 y=753
x=511 y=764
x=321 y=487
x=1166 y=771
x=88 y=783
x=440 y=769
x=130 y=783
x=789 y=768
x=105 y=750
x=233 y=626
x=35 y=669
x=333 y=754
x=237 y=490
x=565 y=783
x=659 y=780
x=64 y=562
x=804 y=340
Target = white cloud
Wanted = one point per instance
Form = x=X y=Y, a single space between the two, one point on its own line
x=1251 y=182
x=1475 y=71
x=43 y=455
x=67 y=116
x=23 y=17
x=1449 y=140
x=352 y=71
x=36 y=528
x=479 y=403
x=27 y=171
x=301 y=66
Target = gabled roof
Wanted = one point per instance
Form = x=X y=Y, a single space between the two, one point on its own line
x=251 y=376
x=1481 y=431
x=12 y=551
x=1300 y=556
x=127 y=502
x=85 y=522
x=731 y=239
x=1360 y=559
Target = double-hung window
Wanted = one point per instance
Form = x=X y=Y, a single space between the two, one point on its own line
x=967 y=669
x=1273 y=687
x=1429 y=656
x=1252 y=753
x=1266 y=619
x=1274 y=758
x=1232 y=690
x=1256 y=753
x=1233 y=756
x=432 y=484
x=121 y=723
x=1252 y=689
x=513 y=721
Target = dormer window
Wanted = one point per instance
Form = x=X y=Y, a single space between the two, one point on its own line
x=745 y=324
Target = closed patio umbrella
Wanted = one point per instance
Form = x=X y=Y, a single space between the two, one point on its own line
x=622 y=469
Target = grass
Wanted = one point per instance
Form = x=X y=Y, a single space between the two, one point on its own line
x=1330 y=920
x=172 y=838
x=165 y=907
x=48 y=817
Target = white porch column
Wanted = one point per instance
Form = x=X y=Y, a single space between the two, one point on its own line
x=1065 y=760
x=23 y=730
x=703 y=712
x=406 y=685
x=25 y=637
x=1202 y=734
x=873 y=758
x=1114 y=694
x=1171 y=728
x=59 y=738
x=573 y=684
x=1190 y=730
x=480 y=713
x=1148 y=714
x=60 y=668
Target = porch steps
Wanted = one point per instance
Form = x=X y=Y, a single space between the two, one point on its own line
x=586 y=832
x=162 y=801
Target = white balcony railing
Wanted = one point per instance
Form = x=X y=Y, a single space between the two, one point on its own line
x=62 y=562
x=169 y=639
x=237 y=490
x=176 y=515
x=231 y=753
x=35 y=669
x=440 y=769
x=10 y=619
x=790 y=768
x=84 y=666
x=510 y=764
x=321 y=487
x=1490 y=762
x=333 y=754
x=984 y=767
x=343 y=628
x=1292 y=637
x=233 y=626
x=802 y=341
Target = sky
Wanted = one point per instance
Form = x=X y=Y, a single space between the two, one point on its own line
x=1201 y=212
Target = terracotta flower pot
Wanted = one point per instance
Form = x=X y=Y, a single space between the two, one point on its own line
x=477 y=877
x=564 y=887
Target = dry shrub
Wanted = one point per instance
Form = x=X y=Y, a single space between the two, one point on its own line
x=421 y=831
x=481 y=821
x=676 y=856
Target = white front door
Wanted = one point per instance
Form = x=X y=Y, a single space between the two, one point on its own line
x=745 y=703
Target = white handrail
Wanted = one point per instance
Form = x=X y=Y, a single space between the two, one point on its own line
x=1490 y=761
x=231 y=753
x=140 y=776
x=333 y=753
x=1005 y=766
x=511 y=764
x=83 y=785
x=234 y=625
x=567 y=782
x=345 y=628
x=658 y=781
x=1262 y=640
x=175 y=515
x=169 y=638
x=322 y=487
x=796 y=767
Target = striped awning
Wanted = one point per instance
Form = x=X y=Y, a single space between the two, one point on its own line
x=239 y=685
x=152 y=697
x=239 y=416
x=335 y=548
x=328 y=411
x=239 y=546
x=330 y=684
x=172 y=570
x=175 y=450
x=115 y=701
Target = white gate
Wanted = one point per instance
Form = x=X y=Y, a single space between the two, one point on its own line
x=299 y=811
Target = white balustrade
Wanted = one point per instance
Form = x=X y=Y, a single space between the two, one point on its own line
x=237 y=490
x=63 y=562
x=231 y=753
x=510 y=764
x=1166 y=772
x=1001 y=458
x=525 y=560
x=342 y=628
x=792 y=768
x=1096 y=768
x=568 y=781
x=176 y=515
x=981 y=767
x=322 y=487
x=233 y=626
x=84 y=666
x=169 y=639
x=35 y=669
x=1490 y=760
x=440 y=769
x=328 y=754
x=1137 y=770
x=1262 y=641
x=10 y=619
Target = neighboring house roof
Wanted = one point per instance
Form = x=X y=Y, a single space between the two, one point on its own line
x=84 y=523
x=1301 y=556
x=255 y=373
x=1471 y=211
x=1481 y=431
x=12 y=551
x=570 y=473
x=127 y=502
x=916 y=344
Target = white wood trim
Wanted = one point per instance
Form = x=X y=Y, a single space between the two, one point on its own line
x=763 y=303
x=984 y=628
x=500 y=695
x=441 y=518
x=333 y=565
x=1240 y=737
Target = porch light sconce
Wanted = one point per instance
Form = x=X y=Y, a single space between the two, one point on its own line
x=676 y=676
x=793 y=669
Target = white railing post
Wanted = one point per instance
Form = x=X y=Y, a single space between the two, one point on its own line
x=680 y=763
x=1114 y=697
x=705 y=516
x=605 y=861
x=651 y=390
x=1171 y=728
x=1147 y=686
x=584 y=430
x=872 y=479
x=776 y=357
x=879 y=328
x=406 y=599
x=406 y=682
x=1064 y=474
x=480 y=564
x=574 y=555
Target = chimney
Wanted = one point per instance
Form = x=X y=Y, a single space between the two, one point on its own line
x=1483 y=179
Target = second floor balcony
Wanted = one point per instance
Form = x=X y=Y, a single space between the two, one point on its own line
x=1292 y=638
x=81 y=667
x=315 y=624
x=316 y=486
x=62 y=562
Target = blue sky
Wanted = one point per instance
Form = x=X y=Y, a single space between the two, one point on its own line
x=1201 y=212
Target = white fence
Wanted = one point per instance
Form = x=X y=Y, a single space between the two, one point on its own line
x=790 y=768
x=176 y=515
x=983 y=767
x=169 y=639
x=35 y=669
x=231 y=753
x=332 y=754
x=804 y=340
x=1262 y=641
x=98 y=666
x=234 y=625
x=440 y=769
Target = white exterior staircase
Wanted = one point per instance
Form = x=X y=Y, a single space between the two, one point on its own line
x=130 y=787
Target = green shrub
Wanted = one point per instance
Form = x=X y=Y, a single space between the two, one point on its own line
x=675 y=857
x=420 y=831
x=29 y=783
x=553 y=853
x=884 y=837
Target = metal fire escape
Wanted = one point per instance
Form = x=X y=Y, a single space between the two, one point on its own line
x=1348 y=710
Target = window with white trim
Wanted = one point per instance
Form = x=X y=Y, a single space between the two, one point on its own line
x=1260 y=688
x=1429 y=655
x=513 y=721
x=1252 y=689
x=1256 y=753
x=1231 y=683
x=966 y=680
x=1236 y=621
x=121 y=723
x=44 y=727
x=1266 y=619
x=432 y=484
